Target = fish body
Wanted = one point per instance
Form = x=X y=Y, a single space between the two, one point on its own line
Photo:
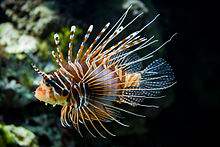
x=91 y=85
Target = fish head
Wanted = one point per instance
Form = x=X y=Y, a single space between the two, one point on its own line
x=50 y=93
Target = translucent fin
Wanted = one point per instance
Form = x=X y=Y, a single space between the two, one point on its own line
x=117 y=108
x=84 y=122
x=157 y=77
x=158 y=74
x=88 y=117
x=109 y=115
x=99 y=121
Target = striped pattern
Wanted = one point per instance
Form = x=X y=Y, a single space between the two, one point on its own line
x=97 y=78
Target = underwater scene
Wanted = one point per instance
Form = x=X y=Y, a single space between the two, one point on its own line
x=101 y=73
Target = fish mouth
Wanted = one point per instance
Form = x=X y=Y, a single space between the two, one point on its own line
x=48 y=97
x=45 y=100
x=42 y=94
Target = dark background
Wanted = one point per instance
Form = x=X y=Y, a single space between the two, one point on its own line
x=192 y=118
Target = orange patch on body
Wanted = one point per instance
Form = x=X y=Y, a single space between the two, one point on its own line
x=129 y=80
x=132 y=80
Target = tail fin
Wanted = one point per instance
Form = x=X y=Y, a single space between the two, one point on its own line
x=155 y=78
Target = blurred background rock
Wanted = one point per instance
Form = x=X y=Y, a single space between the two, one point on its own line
x=26 y=35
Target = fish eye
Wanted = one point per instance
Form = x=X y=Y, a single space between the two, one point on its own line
x=47 y=82
x=65 y=92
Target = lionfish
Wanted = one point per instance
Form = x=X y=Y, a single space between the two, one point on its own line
x=92 y=85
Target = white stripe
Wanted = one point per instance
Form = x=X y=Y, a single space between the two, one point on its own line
x=80 y=67
x=65 y=77
x=75 y=69
x=55 y=83
x=60 y=80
